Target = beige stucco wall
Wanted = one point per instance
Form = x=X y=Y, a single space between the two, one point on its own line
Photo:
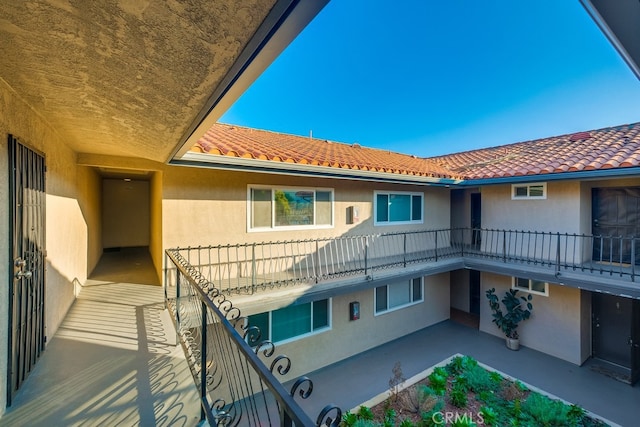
x=125 y=213
x=155 y=237
x=559 y=212
x=90 y=189
x=204 y=207
x=66 y=228
x=347 y=338
x=558 y=323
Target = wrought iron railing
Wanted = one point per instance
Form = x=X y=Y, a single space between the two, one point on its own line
x=247 y=268
x=234 y=370
x=613 y=255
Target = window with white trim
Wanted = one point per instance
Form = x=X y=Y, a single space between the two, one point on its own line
x=293 y=322
x=278 y=208
x=531 y=285
x=398 y=208
x=398 y=295
x=529 y=191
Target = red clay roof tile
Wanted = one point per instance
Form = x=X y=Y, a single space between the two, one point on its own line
x=608 y=148
x=237 y=141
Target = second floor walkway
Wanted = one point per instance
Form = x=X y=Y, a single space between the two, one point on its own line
x=338 y=265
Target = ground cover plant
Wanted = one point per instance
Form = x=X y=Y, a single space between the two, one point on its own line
x=463 y=393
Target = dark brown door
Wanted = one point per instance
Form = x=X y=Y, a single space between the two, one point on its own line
x=612 y=319
x=476 y=219
x=616 y=213
x=27 y=251
x=635 y=342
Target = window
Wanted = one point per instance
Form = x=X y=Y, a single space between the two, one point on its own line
x=529 y=191
x=294 y=321
x=531 y=286
x=398 y=295
x=398 y=208
x=289 y=208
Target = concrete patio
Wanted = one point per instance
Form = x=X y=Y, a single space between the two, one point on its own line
x=113 y=362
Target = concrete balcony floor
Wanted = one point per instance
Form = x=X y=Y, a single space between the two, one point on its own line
x=112 y=361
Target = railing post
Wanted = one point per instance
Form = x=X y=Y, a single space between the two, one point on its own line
x=436 y=249
x=177 y=299
x=366 y=254
x=285 y=419
x=253 y=268
x=203 y=361
x=633 y=259
x=504 y=245
x=317 y=269
x=404 y=255
x=558 y=255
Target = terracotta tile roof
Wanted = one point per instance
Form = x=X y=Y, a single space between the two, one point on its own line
x=608 y=148
x=242 y=142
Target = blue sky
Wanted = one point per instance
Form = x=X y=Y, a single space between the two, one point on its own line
x=427 y=77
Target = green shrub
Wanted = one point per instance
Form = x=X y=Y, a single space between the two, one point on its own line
x=365 y=413
x=489 y=415
x=349 y=419
x=479 y=379
x=438 y=381
x=458 y=396
x=407 y=423
x=547 y=412
x=460 y=364
x=496 y=377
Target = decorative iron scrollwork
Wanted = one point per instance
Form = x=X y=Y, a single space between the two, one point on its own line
x=324 y=418
x=305 y=391
x=267 y=348
x=282 y=364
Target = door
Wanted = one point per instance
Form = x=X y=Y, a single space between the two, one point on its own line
x=615 y=212
x=612 y=316
x=474 y=292
x=476 y=219
x=27 y=251
x=635 y=342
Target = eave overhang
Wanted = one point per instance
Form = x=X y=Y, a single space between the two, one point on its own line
x=562 y=176
x=204 y=160
x=619 y=20
x=285 y=21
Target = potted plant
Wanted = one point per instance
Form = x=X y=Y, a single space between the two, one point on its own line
x=517 y=309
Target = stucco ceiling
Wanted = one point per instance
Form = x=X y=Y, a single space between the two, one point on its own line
x=126 y=77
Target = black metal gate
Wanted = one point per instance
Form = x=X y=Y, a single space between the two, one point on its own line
x=27 y=251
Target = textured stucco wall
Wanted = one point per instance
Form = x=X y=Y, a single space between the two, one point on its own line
x=90 y=189
x=204 y=207
x=66 y=229
x=125 y=213
x=155 y=239
x=112 y=71
x=347 y=338
x=556 y=325
x=500 y=212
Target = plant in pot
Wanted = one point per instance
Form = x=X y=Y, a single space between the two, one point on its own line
x=517 y=308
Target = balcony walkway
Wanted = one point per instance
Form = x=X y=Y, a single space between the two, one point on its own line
x=112 y=362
